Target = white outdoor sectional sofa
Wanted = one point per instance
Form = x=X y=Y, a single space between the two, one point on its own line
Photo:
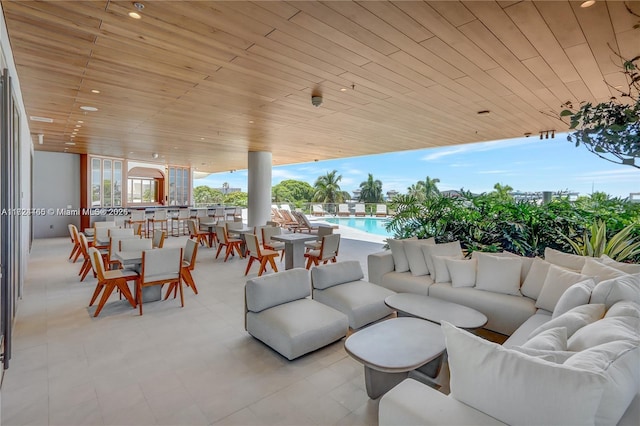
x=573 y=354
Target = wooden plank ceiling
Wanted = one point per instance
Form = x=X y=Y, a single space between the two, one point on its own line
x=202 y=83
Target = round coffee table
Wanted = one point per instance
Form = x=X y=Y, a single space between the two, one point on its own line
x=435 y=310
x=391 y=349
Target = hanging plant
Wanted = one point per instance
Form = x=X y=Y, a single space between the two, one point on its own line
x=611 y=129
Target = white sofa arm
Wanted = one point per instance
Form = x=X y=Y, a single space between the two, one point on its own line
x=379 y=264
x=413 y=403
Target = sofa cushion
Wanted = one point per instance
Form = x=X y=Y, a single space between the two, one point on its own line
x=595 y=268
x=399 y=256
x=629 y=268
x=462 y=272
x=275 y=289
x=533 y=282
x=445 y=249
x=296 y=328
x=552 y=339
x=441 y=273
x=573 y=320
x=404 y=282
x=361 y=301
x=620 y=362
x=505 y=313
x=325 y=276
x=413 y=403
x=616 y=289
x=566 y=260
x=417 y=263
x=526 y=263
x=558 y=280
x=521 y=334
x=499 y=274
x=604 y=331
x=514 y=387
x=576 y=295
x=557 y=357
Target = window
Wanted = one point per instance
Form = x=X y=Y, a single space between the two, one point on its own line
x=106 y=182
x=179 y=186
x=142 y=190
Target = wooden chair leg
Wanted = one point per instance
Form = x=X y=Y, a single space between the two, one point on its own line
x=219 y=249
x=188 y=278
x=96 y=292
x=124 y=290
x=181 y=292
x=263 y=266
x=105 y=296
x=272 y=262
x=246 y=271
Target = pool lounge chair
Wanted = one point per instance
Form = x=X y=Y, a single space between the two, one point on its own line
x=381 y=210
x=304 y=224
x=317 y=210
x=360 y=210
x=343 y=210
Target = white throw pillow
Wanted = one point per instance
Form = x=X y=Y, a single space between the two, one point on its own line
x=566 y=260
x=445 y=249
x=553 y=339
x=401 y=264
x=620 y=362
x=526 y=263
x=516 y=388
x=604 y=331
x=499 y=274
x=558 y=280
x=534 y=280
x=557 y=357
x=573 y=320
x=417 y=262
x=462 y=272
x=595 y=268
x=441 y=274
x=576 y=295
x=629 y=268
x=617 y=289
x=624 y=308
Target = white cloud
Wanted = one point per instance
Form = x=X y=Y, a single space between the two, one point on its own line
x=476 y=147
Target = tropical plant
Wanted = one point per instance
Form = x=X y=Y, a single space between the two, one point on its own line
x=238 y=198
x=621 y=246
x=327 y=188
x=292 y=191
x=371 y=190
x=424 y=189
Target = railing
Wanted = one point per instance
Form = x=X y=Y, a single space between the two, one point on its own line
x=332 y=209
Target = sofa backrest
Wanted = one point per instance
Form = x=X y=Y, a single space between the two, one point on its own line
x=326 y=276
x=275 y=289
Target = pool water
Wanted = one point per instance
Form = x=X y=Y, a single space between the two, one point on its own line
x=372 y=225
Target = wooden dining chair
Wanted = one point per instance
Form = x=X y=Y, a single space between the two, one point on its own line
x=159 y=216
x=255 y=253
x=268 y=243
x=75 y=251
x=195 y=233
x=84 y=249
x=158 y=238
x=109 y=280
x=159 y=267
x=188 y=264
x=315 y=245
x=328 y=251
x=232 y=244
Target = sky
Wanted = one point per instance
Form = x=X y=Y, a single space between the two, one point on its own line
x=525 y=164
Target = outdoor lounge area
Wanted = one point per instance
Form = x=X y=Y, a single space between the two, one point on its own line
x=114 y=109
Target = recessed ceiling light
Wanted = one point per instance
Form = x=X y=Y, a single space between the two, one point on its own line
x=73 y=136
x=78 y=125
x=588 y=3
x=95 y=91
x=135 y=15
x=343 y=90
x=201 y=139
x=80 y=121
x=69 y=143
x=88 y=108
x=251 y=121
x=41 y=119
x=484 y=112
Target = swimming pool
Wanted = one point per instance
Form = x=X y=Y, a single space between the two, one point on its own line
x=372 y=225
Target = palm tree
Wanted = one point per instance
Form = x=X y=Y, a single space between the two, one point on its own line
x=371 y=190
x=502 y=192
x=431 y=187
x=327 y=189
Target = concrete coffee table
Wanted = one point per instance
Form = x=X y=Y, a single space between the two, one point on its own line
x=391 y=349
x=435 y=310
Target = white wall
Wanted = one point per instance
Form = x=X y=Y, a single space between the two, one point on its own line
x=56 y=185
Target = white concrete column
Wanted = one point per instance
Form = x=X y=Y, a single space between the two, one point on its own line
x=259 y=188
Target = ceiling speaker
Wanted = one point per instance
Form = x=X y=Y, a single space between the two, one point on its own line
x=316 y=101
